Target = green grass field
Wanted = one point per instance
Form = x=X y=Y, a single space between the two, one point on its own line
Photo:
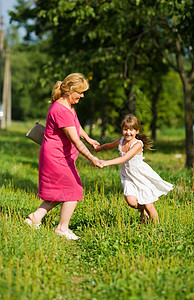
x=117 y=257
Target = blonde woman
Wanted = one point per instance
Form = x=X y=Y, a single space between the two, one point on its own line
x=59 y=181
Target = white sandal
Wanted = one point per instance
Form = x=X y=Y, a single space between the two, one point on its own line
x=69 y=235
x=32 y=224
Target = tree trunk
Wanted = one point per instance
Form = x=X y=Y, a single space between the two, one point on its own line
x=8 y=90
x=92 y=108
x=187 y=86
x=103 y=111
x=188 y=125
x=154 y=109
x=131 y=105
x=1 y=51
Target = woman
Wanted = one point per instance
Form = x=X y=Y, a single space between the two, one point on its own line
x=59 y=181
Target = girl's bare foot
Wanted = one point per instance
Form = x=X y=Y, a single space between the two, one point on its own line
x=143 y=216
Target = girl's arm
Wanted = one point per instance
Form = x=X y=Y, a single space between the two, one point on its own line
x=85 y=137
x=107 y=146
x=119 y=160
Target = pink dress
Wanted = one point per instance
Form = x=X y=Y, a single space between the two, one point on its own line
x=58 y=177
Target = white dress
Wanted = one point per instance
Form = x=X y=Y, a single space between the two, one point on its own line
x=140 y=180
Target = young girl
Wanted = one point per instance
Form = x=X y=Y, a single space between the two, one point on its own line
x=142 y=185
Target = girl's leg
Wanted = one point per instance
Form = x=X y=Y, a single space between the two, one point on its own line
x=37 y=216
x=132 y=202
x=152 y=212
x=67 y=210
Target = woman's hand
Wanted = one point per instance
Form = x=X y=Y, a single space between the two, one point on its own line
x=94 y=143
x=95 y=162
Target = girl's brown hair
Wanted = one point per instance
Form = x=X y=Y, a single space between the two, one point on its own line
x=131 y=121
x=74 y=82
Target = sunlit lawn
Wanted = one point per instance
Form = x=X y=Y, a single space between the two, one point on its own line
x=117 y=257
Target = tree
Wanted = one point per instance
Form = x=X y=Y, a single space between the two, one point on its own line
x=172 y=31
x=108 y=36
x=116 y=40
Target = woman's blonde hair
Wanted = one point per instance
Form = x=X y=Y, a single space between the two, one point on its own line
x=74 y=82
x=132 y=122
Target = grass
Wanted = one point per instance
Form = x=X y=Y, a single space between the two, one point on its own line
x=117 y=257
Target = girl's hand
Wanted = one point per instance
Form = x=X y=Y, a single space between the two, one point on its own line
x=105 y=163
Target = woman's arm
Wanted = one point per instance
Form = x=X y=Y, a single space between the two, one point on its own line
x=119 y=160
x=107 y=146
x=85 y=137
x=72 y=135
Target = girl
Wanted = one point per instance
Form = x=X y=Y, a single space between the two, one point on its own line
x=142 y=185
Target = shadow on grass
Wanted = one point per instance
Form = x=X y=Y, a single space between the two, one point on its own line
x=104 y=216
x=15 y=143
x=34 y=165
x=164 y=146
x=18 y=188
x=168 y=147
x=18 y=183
x=11 y=133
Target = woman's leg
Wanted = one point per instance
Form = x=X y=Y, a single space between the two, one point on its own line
x=37 y=216
x=67 y=210
x=152 y=212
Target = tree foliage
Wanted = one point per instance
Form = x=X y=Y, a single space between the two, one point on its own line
x=125 y=47
x=28 y=97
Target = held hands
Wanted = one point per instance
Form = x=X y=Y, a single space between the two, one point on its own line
x=99 y=163
x=95 y=162
x=96 y=148
x=104 y=163
x=94 y=143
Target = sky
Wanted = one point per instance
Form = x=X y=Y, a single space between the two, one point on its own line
x=6 y=5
